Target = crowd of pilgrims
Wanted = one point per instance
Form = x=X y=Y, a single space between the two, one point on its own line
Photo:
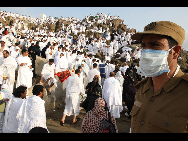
x=97 y=79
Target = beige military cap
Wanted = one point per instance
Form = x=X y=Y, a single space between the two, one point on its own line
x=163 y=28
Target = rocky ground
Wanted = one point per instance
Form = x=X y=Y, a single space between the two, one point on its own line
x=54 y=116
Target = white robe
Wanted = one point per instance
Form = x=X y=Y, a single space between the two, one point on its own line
x=85 y=69
x=96 y=47
x=48 y=56
x=91 y=75
x=11 y=65
x=120 y=78
x=116 y=47
x=48 y=72
x=14 y=54
x=90 y=48
x=72 y=58
x=10 y=122
x=110 y=50
x=62 y=65
x=124 y=69
x=24 y=72
x=73 y=89
x=110 y=68
x=57 y=57
x=128 y=57
x=77 y=64
x=1 y=58
x=138 y=54
x=112 y=94
x=89 y=62
x=6 y=95
x=107 y=58
x=84 y=74
x=31 y=114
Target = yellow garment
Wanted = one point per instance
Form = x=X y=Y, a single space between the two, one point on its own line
x=2 y=106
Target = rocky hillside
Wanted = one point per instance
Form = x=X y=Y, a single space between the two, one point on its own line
x=183 y=61
x=116 y=23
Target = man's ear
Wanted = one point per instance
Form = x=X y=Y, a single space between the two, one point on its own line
x=177 y=50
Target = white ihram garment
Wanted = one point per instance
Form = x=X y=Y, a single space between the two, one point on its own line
x=62 y=65
x=120 y=78
x=31 y=114
x=24 y=73
x=91 y=75
x=48 y=55
x=110 y=68
x=112 y=94
x=48 y=72
x=73 y=89
x=10 y=122
x=11 y=65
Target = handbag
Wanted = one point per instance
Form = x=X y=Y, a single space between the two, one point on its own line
x=107 y=126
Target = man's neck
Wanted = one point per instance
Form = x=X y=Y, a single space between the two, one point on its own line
x=41 y=96
x=161 y=80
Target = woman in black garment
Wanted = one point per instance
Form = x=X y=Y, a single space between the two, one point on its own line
x=94 y=91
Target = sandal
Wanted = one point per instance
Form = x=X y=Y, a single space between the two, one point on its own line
x=61 y=123
x=46 y=86
x=77 y=119
x=48 y=91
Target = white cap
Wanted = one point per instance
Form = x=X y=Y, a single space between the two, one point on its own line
x=17 y=47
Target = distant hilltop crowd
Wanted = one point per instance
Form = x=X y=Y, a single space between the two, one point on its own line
x=98 y=23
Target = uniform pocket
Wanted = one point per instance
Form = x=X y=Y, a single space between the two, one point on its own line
x=163 y=123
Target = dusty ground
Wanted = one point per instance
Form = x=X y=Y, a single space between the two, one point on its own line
x=54 y=116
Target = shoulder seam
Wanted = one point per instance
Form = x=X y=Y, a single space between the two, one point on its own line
x=141 y=82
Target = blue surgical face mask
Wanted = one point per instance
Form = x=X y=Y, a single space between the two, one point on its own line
x=153 y=62
x=4 y=90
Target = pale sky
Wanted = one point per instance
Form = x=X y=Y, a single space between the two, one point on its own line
x=134 y=17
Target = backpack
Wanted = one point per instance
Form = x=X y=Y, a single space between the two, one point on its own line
x=107 y=126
